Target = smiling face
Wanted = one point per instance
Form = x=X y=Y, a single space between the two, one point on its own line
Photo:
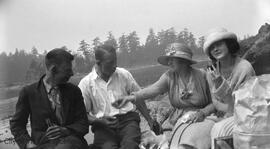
x=219 y=50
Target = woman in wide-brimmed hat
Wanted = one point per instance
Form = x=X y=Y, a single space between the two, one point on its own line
x=188 y=93
x=225 y=75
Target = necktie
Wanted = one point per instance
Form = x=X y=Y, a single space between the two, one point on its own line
x=56 y=103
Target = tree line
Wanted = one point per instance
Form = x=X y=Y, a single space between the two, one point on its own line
x=22 y=66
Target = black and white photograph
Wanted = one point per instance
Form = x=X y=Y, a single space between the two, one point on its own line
x=134 y=74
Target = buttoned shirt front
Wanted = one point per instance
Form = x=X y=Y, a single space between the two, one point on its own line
x=99 y=95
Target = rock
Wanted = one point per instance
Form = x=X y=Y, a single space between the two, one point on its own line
x=256 y=49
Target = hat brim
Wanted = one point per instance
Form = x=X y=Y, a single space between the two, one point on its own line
x=163 y=60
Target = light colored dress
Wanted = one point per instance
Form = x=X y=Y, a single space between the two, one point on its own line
x=195 y=95
x=240 y=73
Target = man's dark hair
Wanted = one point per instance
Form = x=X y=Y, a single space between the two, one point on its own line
x=57 y=56
x=101 y=50
x=232 y=45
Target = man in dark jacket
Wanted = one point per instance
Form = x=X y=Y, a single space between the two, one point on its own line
x=57 y=113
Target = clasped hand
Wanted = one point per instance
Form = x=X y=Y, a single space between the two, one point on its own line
x=55 y=132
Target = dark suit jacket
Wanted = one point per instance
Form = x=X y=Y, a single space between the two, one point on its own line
x=33 y=101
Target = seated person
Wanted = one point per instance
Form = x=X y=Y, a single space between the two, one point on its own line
x=228 y=72
x=113 y=128
x=57 y=113
x=188 y=94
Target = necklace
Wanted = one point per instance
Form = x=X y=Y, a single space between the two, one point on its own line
x=227 y=72
x=187 y=89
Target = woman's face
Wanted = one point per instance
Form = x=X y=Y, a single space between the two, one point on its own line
x=219 y=50
x=177 y=63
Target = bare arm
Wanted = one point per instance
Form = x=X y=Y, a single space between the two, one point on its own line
x=159 y=87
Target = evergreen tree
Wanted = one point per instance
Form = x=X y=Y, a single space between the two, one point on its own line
x=123 y=44
x=201 y=42
x=34 y=51
x=111 y=40
x=133 y=42
x=166 y=37
x=183 y=36
x=84 y=48
x=88 y=57
x=151 y=49
x=151 y=40
x=96 y=42
x=192 y=41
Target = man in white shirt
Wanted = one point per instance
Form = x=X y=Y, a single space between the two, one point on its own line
x=113 y=128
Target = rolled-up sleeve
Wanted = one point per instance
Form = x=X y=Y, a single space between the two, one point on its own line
x=132 y=85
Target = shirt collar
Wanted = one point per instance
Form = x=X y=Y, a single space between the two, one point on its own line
x=94 y=73
x=95 y=76
x=48 y=87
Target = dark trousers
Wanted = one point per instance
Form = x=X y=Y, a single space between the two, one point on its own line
x=126 y=134
x=69 y=142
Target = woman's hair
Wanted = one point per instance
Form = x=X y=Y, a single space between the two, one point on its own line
x=100 y=51
x=232 y=45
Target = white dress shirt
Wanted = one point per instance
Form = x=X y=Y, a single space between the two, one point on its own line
x=99 y=95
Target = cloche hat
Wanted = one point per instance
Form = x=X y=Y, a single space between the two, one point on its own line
x=215 y=35
x=177 y=50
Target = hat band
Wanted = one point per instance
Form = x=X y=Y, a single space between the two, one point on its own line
x=179 y=53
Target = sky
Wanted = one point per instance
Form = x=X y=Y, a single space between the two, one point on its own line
x=47 y=24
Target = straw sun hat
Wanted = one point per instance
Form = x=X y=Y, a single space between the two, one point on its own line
x=215 y=35
x=177 y=50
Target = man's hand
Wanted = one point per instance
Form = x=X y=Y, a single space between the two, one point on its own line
x=55 y=132
x=122 y=101
x=106 y=121
x=31 y=145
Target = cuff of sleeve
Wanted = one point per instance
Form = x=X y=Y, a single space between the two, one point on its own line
x=222 y=90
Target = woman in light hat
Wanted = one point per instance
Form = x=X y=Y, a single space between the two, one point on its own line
x=225 y=75
x=188 y=92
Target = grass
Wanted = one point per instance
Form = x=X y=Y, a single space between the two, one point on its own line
x=144 y=76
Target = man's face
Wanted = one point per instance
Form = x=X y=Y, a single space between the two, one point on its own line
x=108 y=65
x=62 y=73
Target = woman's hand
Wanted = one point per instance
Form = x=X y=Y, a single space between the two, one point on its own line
x=215 y=75
x=197 y=116
x=122 y=101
